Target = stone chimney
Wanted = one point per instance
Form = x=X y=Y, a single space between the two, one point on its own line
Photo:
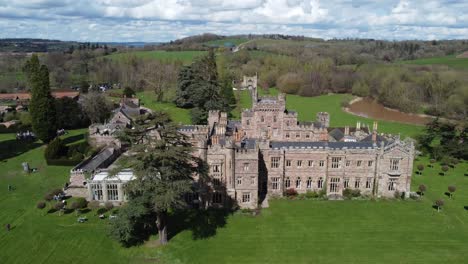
x=374 y=132
x=346 y=130
x=214 y=140
x=358 y=126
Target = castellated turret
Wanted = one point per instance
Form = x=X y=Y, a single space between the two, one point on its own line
x=323 y=118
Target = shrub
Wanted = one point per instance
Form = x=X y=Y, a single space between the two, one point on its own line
x=432 y=161
x=128 y=92
x=58 y=206
x=322 y=193
x=93 y=205
x=422 y=188
x=81 y=202
x=290 y=192
x=349 y=193
x=41 y=205
x=109 y=206
x=420 y=168
x=48 y=196
x=452 y=189
x=439 y=203
x=397 y=195
x=445 y=168
x=311 y=194
x=54 y=149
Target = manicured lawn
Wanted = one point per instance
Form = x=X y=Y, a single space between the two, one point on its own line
x=37 y=237
x=451 y=61
x=178 y=115
x=384 y=231
x=186 y=57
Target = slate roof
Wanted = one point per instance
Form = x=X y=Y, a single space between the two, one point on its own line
x=333 y=145
x=248 y=143
x=337 y=134
x=105 y=156
x=379 y=139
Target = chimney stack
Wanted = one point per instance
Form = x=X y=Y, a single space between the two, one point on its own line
x=374 y=132
x=214 y=140
x=346 y=130
x=358 y=126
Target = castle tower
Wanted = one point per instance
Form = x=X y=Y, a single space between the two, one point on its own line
x=323 y=118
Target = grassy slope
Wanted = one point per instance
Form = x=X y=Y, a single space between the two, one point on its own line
x=220 y=42
x=185 y=56
x=451 y=61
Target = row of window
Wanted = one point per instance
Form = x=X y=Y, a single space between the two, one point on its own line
x=298 y=135
x=239 y=180
x=334 y=182
x=217 y=197
x=287 y=183
x=112 y=192
x=335 y=163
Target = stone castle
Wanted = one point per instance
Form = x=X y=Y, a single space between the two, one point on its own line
x=269 y=151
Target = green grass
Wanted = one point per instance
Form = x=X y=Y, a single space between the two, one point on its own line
x=451 y=61
x=220 y=42
x=186 y=57
x=384 y=231
x=178 y=115
x=37 y=237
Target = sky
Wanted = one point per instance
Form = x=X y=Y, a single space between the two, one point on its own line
x=160 y=21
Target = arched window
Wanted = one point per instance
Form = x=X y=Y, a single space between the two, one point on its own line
x=309 y=183
x=298 y=183
x=320 y=183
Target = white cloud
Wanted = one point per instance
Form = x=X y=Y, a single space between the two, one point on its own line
x=162 y=20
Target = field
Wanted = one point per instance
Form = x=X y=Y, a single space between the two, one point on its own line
x=451 y=61
x=186 y=57
x=290 y=231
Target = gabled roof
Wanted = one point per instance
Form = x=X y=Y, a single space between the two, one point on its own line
x=97 y=161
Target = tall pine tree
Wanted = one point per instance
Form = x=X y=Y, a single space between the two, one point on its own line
x=42 y=105
x=199 y=89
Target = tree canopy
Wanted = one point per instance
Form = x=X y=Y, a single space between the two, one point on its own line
x=42 y=105
x=199 y=88
x=165 y=169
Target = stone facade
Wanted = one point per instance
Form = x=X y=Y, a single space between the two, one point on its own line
x=268 y=151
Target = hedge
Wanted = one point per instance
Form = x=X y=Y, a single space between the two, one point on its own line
x=63 y=162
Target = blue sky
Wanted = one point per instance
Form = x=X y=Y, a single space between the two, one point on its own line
x=150 y=20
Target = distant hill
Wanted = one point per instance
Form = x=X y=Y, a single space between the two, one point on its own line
x=34 y=45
